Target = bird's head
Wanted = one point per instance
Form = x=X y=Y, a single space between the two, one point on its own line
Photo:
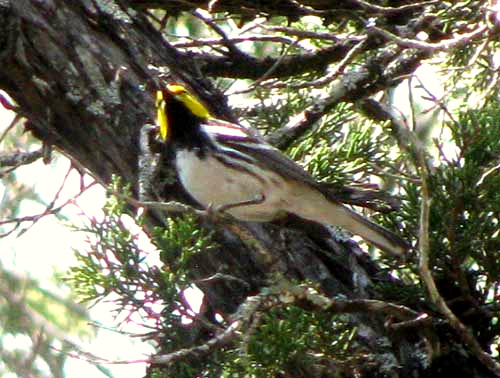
x=175 y=98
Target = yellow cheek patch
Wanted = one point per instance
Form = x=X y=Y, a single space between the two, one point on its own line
x=195 y=106
x=161 y=118
x=181 y=96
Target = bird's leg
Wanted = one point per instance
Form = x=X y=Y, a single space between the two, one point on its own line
x=214 y=210
x=255 y=201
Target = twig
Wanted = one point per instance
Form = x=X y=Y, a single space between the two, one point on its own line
x=393 y=10
x=459 y=40
x=302 y=122
x=423 y=320
x=243 y=317
x=411 y=101
x=339 y=68
x=437 y=102
x=223 y=277
x=305 y=34
x=233 y=50
x=281 y=294
x=16 y=159
x=268 y=72
x=229 y=334
x=298 y=125
x=252 y=38
x=464 y=332
x=400 y=130
x=487 y=173
x=169 y=207
x=346 y=306
x=16 y=119
x=50 y=209
x=347 y=89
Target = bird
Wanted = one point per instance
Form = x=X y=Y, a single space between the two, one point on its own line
x=228 y=167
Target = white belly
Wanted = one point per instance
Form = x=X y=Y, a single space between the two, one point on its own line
x=212 y=183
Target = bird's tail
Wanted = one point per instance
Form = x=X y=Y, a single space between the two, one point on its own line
x=334 y=213
x=377 y=235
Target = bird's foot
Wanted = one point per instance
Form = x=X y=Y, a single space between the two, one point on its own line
x=219 y=210
x=255 y=201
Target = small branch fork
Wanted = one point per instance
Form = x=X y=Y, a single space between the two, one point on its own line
x=49 y=210
x=281 y=294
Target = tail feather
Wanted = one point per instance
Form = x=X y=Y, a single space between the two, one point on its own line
x=375 y=234
x=334 y=213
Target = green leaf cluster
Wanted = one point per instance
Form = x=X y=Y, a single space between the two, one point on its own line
x=290 y=339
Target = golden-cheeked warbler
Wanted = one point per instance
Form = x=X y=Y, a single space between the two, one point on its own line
x=226 y=166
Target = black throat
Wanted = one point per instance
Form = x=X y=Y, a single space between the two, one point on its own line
x=185 y=127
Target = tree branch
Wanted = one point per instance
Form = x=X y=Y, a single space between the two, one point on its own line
x=463 y=331
x=253 y=68
x=288 y=8
x=284 y=294
x=459 y=40
x=408 y=142
x=354 y=86
x=17 y=159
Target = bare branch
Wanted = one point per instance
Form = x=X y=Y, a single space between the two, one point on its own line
x=463 y=331
x=11 y=125
x=169 y=207
x=288 y=8
x=16 y=159
x=251 y=38
x=229 y=334
x=284 y=294
x=353 y=87
x=393 y=10
x=338 y=69
x=269 y=72
x=253 y=68
x=233 y=50
x=459 y=40
x=49 y=210
x=306 y=34
x=422 y=320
